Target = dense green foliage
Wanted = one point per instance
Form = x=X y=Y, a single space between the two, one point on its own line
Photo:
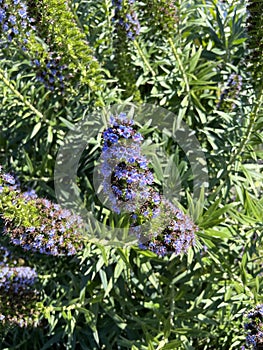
x=184 y=59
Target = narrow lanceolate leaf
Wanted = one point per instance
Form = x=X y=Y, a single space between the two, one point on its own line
x=35 y=130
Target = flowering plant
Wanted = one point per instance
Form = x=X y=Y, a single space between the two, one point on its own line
x=129 y=183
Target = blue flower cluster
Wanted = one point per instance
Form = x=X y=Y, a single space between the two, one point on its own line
x=15 y=21
x=17 y=294
x=8 y=182
x=58 y=231
x=58 y=234
x=6 y=257
x=175 y=232
x=126 y=18
x=129 y=185
x=52 y=73
x=254 y=327
x=29 y=195
x=231 y=92
x=17 y=279
x=126 y=177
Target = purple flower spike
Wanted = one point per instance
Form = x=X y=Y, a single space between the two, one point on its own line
x=129 y=184
x=254 y=327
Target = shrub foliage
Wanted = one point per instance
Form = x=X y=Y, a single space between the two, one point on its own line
x=60 y=62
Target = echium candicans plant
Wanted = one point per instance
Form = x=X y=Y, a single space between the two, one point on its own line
x=19 y=298
x=15 y=22
x=254 y=328
x=129 y=184
x=127 y=27
x=63 y=56
x=37 y=224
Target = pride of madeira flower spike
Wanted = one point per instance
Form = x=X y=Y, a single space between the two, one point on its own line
x=255 y=43
x=17 y=291
x=37 y=224
x=254 y=328
x=129 y=184
x=126 y=17
x=127 y=28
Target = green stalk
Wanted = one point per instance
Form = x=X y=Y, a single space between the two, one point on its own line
x=249 y=131
x=21 y=97
x=180 y=64
x=143 y=57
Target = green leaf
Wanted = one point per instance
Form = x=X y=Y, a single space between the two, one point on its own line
x=220 y=234
x=29 y=162
x=172 y=345
x=67 y=123
x=35 y=130
x=194 y=59
x=103 y=278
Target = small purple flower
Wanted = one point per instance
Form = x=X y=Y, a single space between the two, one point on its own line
x=142 y=246
x=137 y=137
x=17 y=278
x=9 y=179
x=22 y=12
x=167 y=239
x=29 y=194
x=15 y=30
x=36 y=62
x=50 y=72
x=5 y=27
x=2 y=15
x=12 y=19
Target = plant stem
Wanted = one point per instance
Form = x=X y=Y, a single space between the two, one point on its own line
x=143 y=57
x=21 y=97
x=249 y=131
x=180 y=64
